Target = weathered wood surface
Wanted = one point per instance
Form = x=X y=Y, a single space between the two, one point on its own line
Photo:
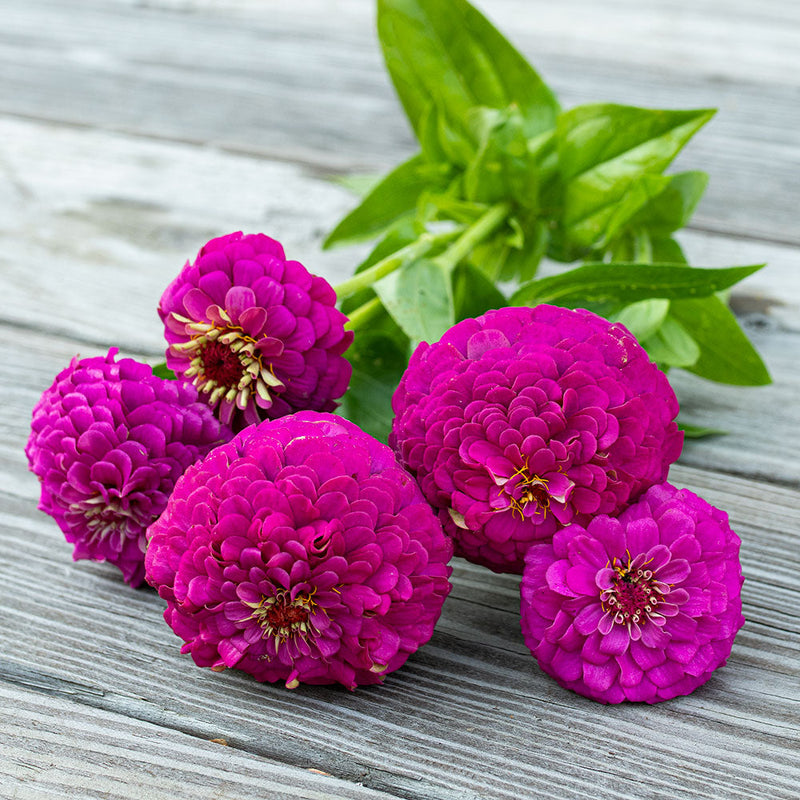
x=130 y=132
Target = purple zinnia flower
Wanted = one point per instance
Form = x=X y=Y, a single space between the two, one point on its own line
x=108 y=441
x=526 y=419
x=642 y=607
x=259 y=336
x=300 y=551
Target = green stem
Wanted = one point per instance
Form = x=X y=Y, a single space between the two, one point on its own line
x=417 y=248
x=363 y=313
x=475 y=234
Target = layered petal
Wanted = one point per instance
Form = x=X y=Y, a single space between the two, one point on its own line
x=525 y=420
x=636 y=618
x=108 y=442
x=315 y=558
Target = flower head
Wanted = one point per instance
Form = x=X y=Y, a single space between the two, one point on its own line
x=642 y=607
x=300 y=551
x=259 y=336
x=108 y=441
x=524 y=420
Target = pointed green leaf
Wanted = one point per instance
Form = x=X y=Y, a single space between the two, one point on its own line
x=448 y=51
x=474 y=293
x=604 y=148
x=163 y=371
x=610 y=219
x=443 y=139
x=419 y=297
x=503 y=168
x=672 y=208
x=627 y=283
x=672 y=346
x=666 y=250
x=726 y=353
x=698 y=431
x=392 y=199
x=522 y=262
x=644 y=318
x=360 y=185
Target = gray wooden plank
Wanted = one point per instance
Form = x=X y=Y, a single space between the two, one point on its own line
x=305 y=82
x=55 y=747
x=82 y=204
x=93 y=225
x=469 y=715
x=87 y=250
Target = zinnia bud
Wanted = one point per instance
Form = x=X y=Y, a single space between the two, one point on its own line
x=524 y=420
x=643 y=607
x=300 y=551
x=259 y=336
x=108 y=441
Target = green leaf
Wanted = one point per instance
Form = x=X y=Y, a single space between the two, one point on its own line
x=726 y=353
x=474 y=293
x=698 y=431
x=672 y=346
x=448 y=51
x=611 y=219
x=360 y=185
x=444 y=140
x=644 y=318
x=604 y=148
x=489 y=257
x=627 y=283
x=503 y=168
x=662 y=249
x=672 y=208
x=378 y=363
x=163 y=371
x=419 y=297
x=666 y=250
x=522 y=262
x=392 y=199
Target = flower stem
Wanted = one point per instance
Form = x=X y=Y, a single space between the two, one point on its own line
x=475 y=234
x=417 y=248
x=363 y=313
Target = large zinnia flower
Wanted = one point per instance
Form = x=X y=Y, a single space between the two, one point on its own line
x=524 y=420
x=108 y=441
x=259 y=336
x=300 y=551
x=642 y=607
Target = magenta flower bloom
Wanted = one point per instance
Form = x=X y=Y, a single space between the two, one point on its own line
x=259 y=336
x=302 y=552
x=108 y=441
x=524 y=420
x=642 y=607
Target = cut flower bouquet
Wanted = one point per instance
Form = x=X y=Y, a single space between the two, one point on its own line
x=529 y=431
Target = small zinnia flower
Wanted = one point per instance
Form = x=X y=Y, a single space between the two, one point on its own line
x=300 y=551
x=259 y=336
x=643 y=607
x=524 y=420
x=108 y=441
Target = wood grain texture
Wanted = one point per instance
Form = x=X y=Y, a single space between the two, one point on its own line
x=304 y=83
x=469 y=715
x=55 y=747
x=131 y=131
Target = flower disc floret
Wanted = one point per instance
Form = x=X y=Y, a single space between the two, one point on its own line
x=108 y=442
x=524 y=420
x=258 y=335
x=300 y=551
x=643 y=607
